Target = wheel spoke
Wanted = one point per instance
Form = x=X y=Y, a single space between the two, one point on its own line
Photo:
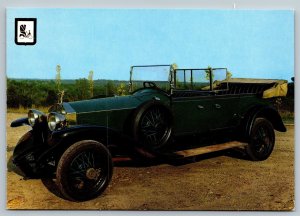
x=153 y=127
x=261 y=133
x=262 y=142
x=93 y=161
x=148 y=132
x=152 y=117
x=87 y=155
x=77 y=174
x=148 y=122
x=78 y=171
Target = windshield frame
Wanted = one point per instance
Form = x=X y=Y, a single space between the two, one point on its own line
x=173 y=74
x=209 y=70
x=145 y=66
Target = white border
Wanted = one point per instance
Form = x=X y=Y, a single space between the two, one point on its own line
x=201 y=4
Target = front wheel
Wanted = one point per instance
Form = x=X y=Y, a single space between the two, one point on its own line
x=84 y=170
x=262 y=140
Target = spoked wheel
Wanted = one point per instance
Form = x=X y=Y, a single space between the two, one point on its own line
x=262 y=140
x=154 y=128
x=84 y=170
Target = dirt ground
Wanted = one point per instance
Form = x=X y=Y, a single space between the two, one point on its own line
x=212 y=182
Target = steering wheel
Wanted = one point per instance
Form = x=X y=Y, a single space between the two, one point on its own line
x=149 y=84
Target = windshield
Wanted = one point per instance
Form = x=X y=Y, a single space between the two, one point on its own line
x=158 y=74
x=199 y=79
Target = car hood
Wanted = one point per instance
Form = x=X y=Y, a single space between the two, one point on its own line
x=102 y=104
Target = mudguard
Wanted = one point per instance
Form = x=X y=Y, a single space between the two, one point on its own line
x=60 y=140
x=268 y=112
x=25 y=154
x=20 y=122
x=31 y=155
x=25 y=144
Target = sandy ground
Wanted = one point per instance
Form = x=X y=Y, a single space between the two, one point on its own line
x=213 y=182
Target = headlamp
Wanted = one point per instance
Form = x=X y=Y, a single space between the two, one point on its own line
x=56 y=121
x=35 y=116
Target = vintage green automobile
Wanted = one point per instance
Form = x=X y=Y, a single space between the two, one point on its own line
x=76 y=141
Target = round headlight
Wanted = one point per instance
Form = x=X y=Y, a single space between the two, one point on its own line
x=56 y=121
x=34 y=116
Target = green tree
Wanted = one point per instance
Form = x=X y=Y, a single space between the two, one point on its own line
x=51 y=97
x=179 y=84
x=110 y=88
x=13 y=99
x=72 y=93
x=82 y=87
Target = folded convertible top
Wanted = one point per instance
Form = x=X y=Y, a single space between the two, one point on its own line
x=268 y=87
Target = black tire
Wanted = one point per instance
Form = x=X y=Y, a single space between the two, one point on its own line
x=152 y=126
x=84 y=170
x=262 y=140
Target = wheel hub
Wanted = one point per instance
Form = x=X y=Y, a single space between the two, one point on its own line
x=92 y=173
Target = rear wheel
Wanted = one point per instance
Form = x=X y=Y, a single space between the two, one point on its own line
x=84 y=170
x=262 y=140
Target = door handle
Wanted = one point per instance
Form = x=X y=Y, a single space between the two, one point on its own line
x=218 y=106
x=200 y=107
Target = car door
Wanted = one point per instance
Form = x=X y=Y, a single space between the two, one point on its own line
x=225 y=108
x=192 y=114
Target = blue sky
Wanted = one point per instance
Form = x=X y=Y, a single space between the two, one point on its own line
x=250 y=43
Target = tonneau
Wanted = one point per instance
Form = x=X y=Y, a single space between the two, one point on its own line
x=268 y=88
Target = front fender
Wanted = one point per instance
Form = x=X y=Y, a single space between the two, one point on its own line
x=20 y=122
x=25 y=144
x=25 y=155
x=102 y=134
x=62 y=139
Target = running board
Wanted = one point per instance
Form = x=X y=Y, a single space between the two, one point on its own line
x=211 y=148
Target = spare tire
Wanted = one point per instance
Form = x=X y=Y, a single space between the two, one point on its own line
x=152 y=126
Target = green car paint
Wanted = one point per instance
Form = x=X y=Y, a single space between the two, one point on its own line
x=111 y=112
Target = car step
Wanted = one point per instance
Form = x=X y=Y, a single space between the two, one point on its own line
x=211 y=148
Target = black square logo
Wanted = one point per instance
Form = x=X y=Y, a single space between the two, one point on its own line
x=25 y=31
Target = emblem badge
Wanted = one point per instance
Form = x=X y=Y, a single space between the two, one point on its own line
x=25 y=31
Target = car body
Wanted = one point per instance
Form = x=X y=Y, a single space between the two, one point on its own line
x=180 y=103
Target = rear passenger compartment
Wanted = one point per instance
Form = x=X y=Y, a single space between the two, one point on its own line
x=265 y=88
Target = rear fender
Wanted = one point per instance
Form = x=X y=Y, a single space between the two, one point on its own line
x=267 y=112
